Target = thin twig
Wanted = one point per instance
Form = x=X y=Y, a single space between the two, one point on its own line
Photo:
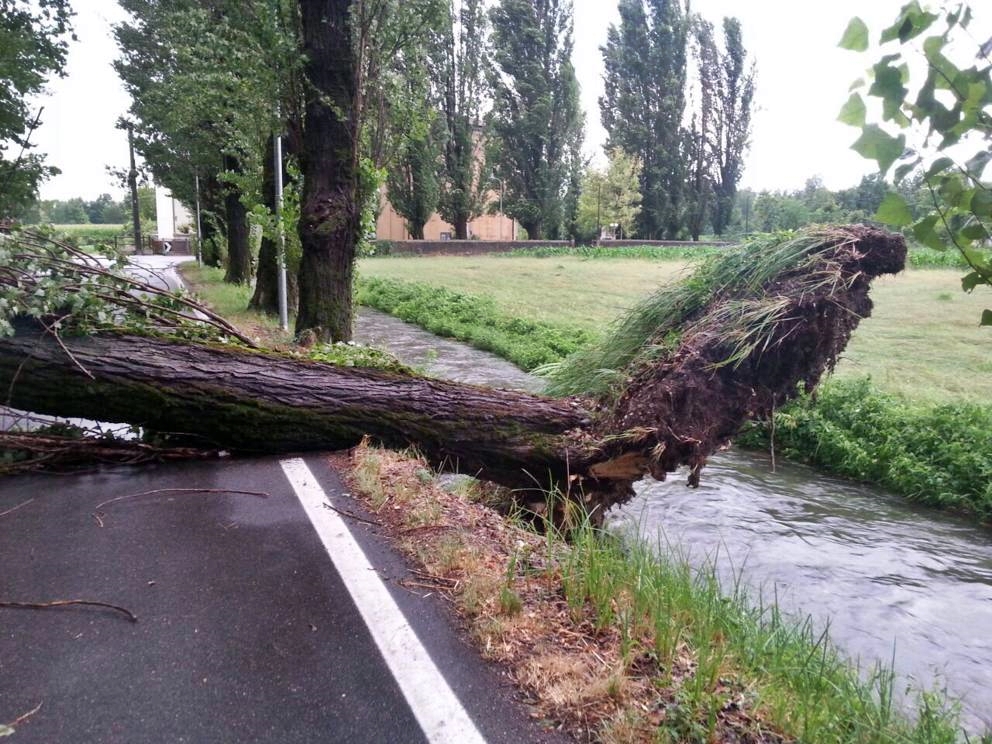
x=159 y=491
x=65 y=603
x=55 y=334
x=348 y=514
x=22 y=718
x=11 y=511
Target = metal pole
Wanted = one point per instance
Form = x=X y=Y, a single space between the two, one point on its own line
x=199 y=224
x=501 y=215
x=280 y=237
x=132 y=182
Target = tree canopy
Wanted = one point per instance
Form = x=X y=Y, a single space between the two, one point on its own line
x=536 y=120
x=34 y=38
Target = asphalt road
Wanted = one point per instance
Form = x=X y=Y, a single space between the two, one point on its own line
x=248 y=629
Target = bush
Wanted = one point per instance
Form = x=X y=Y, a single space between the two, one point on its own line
x=939 y=455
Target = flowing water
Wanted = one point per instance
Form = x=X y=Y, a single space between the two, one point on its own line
x=895 y=583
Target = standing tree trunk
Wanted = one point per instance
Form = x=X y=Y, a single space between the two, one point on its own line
x=238 y=246
x=330 y=216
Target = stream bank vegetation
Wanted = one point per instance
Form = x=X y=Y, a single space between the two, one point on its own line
x=616 y=641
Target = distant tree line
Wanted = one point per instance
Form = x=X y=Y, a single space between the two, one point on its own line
x=104 y=210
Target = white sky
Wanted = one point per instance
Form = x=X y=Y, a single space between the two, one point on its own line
x=803 y=79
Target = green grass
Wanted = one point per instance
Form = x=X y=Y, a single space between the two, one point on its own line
x=564 y=291
x=938 y=455
x=713 y=645
x=476 y=320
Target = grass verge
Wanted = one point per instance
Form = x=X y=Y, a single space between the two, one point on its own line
x=934 y=454
x=476 y=320
x=616 y=644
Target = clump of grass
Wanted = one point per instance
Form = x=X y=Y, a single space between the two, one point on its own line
x=934 y=454
x=742 y=271
x=474 y=319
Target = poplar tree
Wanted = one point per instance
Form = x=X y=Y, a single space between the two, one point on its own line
x=536 y=121
x=734 y=102
x=644 y=103
x=460 y=85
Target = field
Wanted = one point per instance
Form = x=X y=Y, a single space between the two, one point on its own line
x=923 y=340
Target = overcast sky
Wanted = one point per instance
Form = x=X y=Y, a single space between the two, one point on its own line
x=803 y=79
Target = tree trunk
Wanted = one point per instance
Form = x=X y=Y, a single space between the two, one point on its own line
x=331 y=207
x=238 y=245
x=416 y=230
x=252 y=402
x=461 y=227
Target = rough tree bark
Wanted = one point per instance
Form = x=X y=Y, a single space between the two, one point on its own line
x=675 y=410
x=331 y=208
x=238 y=245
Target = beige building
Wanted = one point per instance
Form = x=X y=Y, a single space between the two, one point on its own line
x=390 y=226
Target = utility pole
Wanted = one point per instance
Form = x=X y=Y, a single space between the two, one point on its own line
x=132 y=182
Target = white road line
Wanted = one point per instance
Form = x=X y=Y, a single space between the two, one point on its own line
x=435 y=705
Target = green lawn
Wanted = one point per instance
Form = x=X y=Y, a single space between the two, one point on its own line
x=923 y=340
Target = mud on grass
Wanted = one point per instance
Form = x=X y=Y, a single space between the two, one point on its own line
x=592 y=679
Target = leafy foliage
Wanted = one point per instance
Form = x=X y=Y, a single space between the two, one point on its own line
x=34 y=38
x=689 y=129
x=473 y=319
x=610 y=198
x=922 y=84
x=937 y=455
x=48 y=285
x=458 y=77
x=536 y=119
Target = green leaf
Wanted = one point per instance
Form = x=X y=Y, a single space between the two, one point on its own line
x=904 y=170
x=976 y=165
x=878 y=145
x=987 y=318
x=981 y=202
x=925 y=232
x=939 y=166
x=854 y=112
x=974 y=231
x=894 y=211
x=855 y=37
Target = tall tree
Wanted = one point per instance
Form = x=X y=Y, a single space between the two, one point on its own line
x=459 y=80
x=33 y=45
x=700 y=139
x=203 y=79
x=332 y=199
x=644 y=104
x=536 y=121
x=611 y=197
x=733 y=104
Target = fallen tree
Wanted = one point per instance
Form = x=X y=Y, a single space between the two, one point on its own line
x=671 y=385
